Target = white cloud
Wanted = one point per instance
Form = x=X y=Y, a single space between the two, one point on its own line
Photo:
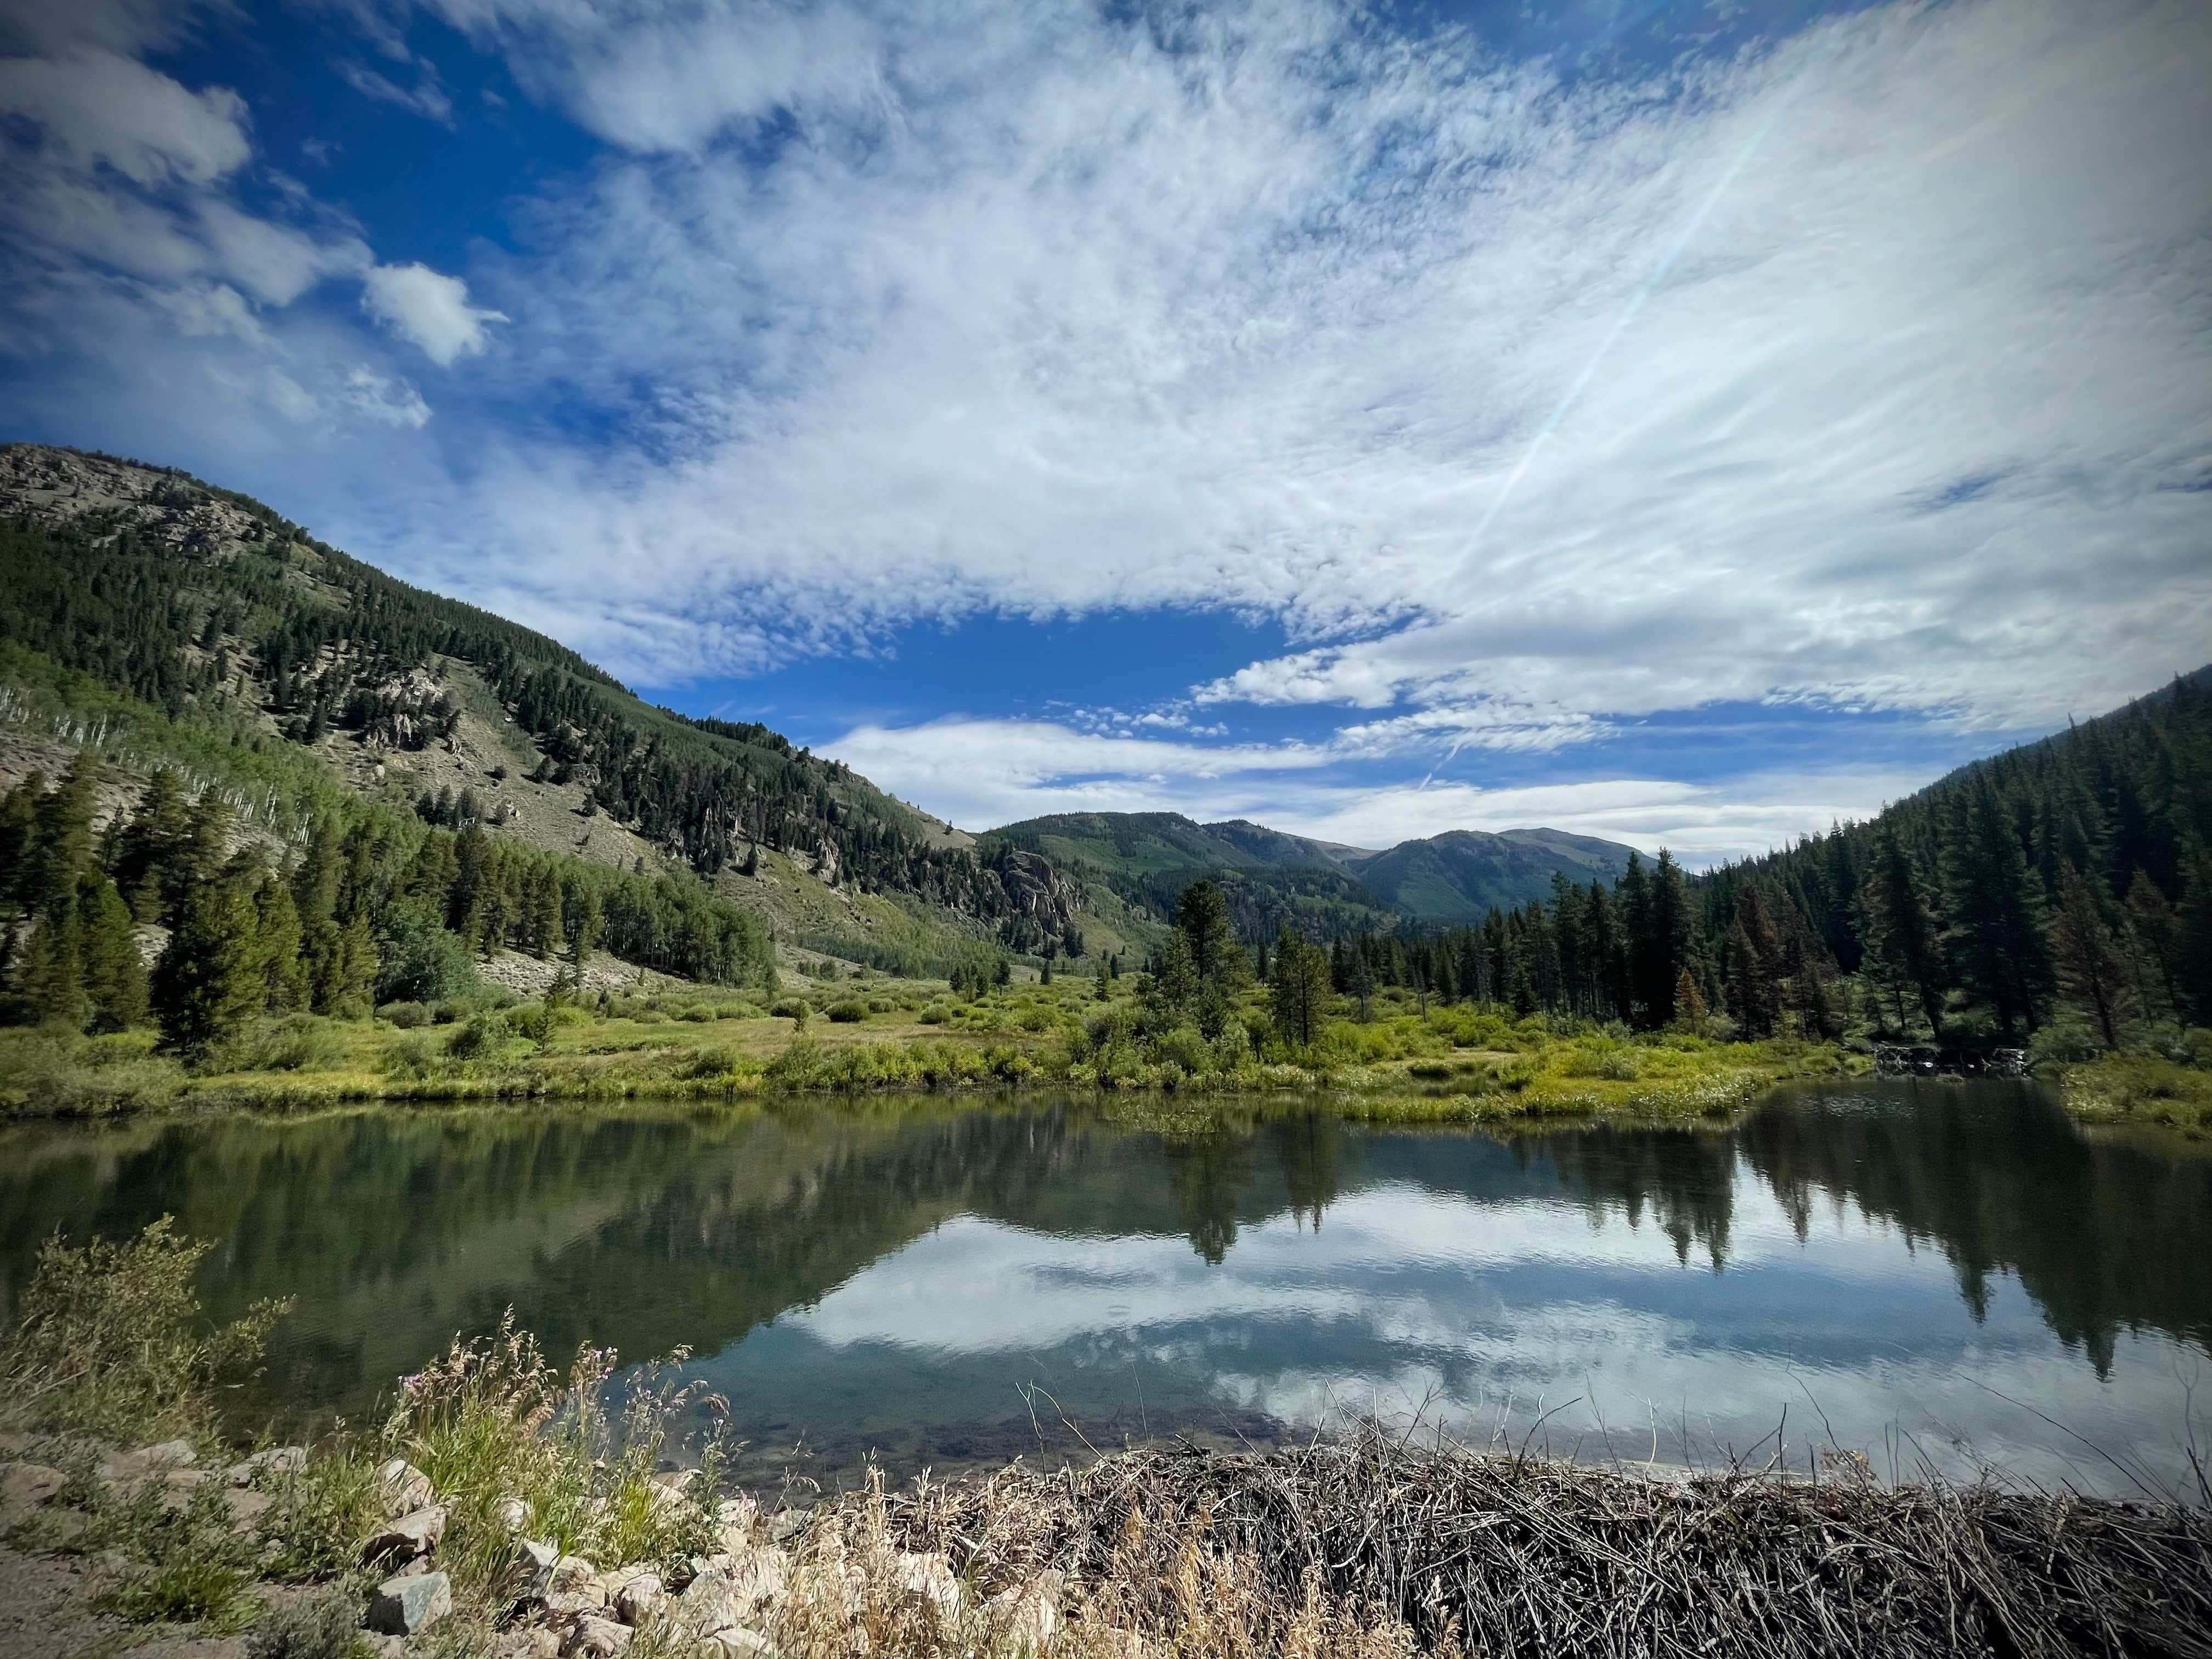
x=97 y=107
x=1044 y=315
x=428 y=309
x=427 y=99
x=983 y=773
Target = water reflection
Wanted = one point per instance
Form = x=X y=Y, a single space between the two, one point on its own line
x=933 y=1280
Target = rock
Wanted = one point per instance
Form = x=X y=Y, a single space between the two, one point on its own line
x=639 y=1597
x=403 y=1487
x=131 y=1467
x=931 y=1578
x=413 y=1601
x=533 y=1568
x=531 y=1642
x=277 y=1459
x=737 y=1642
x=597 y=1639
x=407 y=1539
x=786 y=1524
x=573 y=1587
x=247 y=1505
x=1026 y=1617
x=511 y=1515
x=24 y=1486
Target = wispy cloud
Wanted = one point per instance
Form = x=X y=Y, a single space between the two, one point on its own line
x=1043 y=312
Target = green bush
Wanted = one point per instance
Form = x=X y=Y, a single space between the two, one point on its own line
x=484 y=1038
x=850 y=1012
x=419 y=959
x=407 y=1016
x=110 y=1340
x=296 y=1042
x=325 y=1626
x=212 y=1593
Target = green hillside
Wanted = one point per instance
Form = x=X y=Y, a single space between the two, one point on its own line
x=218 y=612
x=1270 y=877
x=1462 y=874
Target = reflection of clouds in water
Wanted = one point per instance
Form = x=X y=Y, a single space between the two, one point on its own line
x=1480 y=1315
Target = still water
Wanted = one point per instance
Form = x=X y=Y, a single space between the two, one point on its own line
x=1926 y=1273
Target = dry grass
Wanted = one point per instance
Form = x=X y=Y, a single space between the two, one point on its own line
x=1369 y=1540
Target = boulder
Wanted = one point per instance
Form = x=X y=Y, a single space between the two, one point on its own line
x=407 y=1539
x=530 y=1642
x=533 y=1568
x=573 y=1587
x=638 y=1596
x=132 y=1468
x=409 y=1603
x=1025 y=1617
x=511 y=1515
x=402 y=1488
x=247 y=1506
x=930 y=1578
x=277 y=1459
x=737 y=1642
x=24 y=1486
x=597 y=1639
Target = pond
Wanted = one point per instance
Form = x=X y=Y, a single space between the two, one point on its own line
x=1925 y=1273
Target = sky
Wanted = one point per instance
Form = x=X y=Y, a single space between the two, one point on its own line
x=1688 y=422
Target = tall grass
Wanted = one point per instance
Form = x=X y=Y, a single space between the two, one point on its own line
x=493 y=1425
x=110 y=1341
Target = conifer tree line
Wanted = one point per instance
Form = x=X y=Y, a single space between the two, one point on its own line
x=101 y=595
x=370 y=907
x=2067 y=879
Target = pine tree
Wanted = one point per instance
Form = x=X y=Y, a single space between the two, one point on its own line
x=1902 y=932
x=2091 y=975
x=284 y=974
x=1995 y=938
x=50 y=979
x=211 y=979
x=114 y=973
x=1298 y=988
x=1202 y=918
x=61 y=839
x=159 y=832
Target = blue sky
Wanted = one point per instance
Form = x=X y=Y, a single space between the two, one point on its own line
x=1685 y=422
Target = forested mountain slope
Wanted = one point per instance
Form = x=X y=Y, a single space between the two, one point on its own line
x=2060 y=891
x=1270 y=877
x=198 y=601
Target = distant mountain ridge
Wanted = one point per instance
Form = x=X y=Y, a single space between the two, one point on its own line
x=1457 y=876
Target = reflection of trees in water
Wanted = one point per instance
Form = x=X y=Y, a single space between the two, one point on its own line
x=1208 y=1174
x=2105 y=1234
x=646 y=1228
x=1310 y=1147
x=1682 y=1176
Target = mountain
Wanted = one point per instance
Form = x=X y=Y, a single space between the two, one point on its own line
x=222 y=616
x=1270 y=877
x=1463 y=874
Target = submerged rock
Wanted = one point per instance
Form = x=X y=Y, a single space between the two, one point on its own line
x=411 y=1602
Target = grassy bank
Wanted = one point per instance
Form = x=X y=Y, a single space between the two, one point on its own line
x=2172 y=1090
x=505 y=1507
x=1404 y=1062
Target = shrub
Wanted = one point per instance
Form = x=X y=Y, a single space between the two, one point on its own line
x=296 y=1042
x=189 y=1592
x=492 y=1420
x=110 y=1340
x=314 y=1627
x=850 y=1012
x=405 y=1015
x=419 y=960
x=485 y=1037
